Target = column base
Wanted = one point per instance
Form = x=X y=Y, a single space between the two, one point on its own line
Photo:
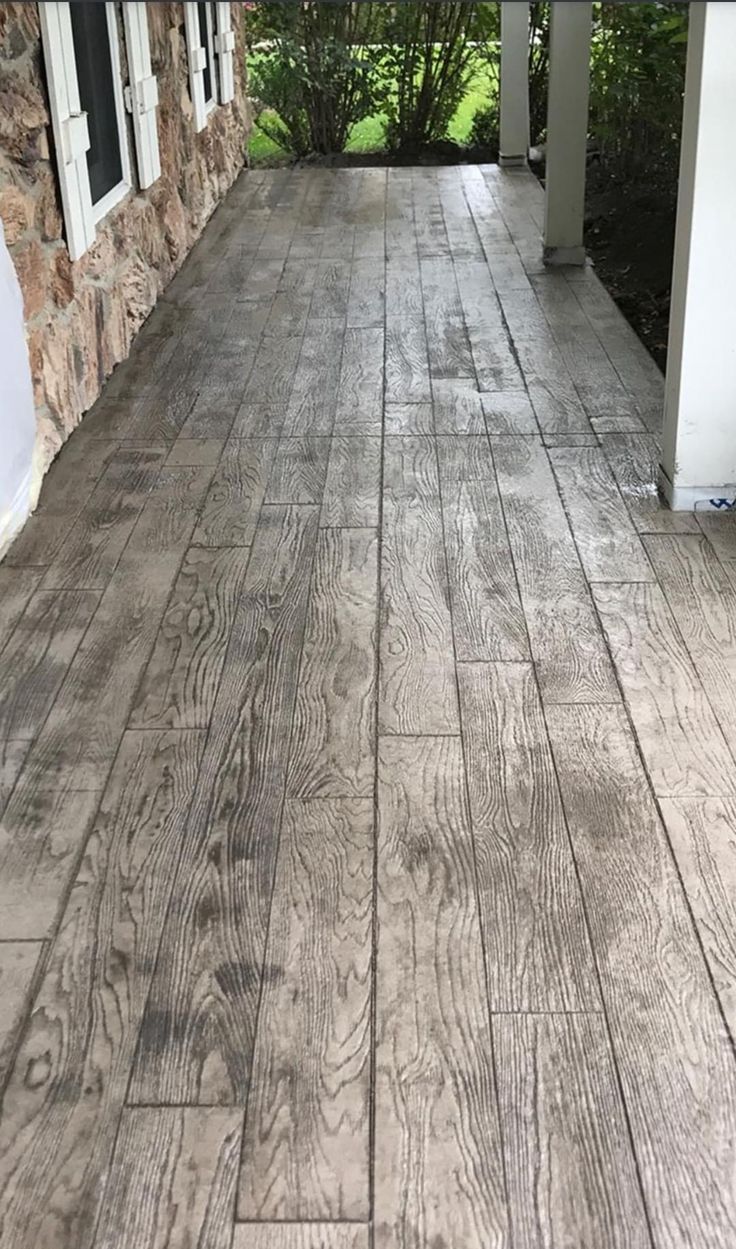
x=564 y=256
x=512 y=162
x=697 y=498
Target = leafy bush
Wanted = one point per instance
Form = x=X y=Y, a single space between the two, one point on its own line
x=425 y=65
x=316 y=71
x=484 y=131
x=637 y=81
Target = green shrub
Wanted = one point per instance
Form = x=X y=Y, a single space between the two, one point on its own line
x=484 y=131
x=316 y=70
x=426 y=64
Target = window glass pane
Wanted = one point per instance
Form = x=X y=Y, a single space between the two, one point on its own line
x=94 y=71
x=204 y=36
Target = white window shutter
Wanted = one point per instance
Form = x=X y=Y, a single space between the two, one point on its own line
x=71 y=134
x=224 y=47
x=197 y=62
x=143 y=92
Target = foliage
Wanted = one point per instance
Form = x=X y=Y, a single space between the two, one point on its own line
x=426 y=63
x=316 y=71
x=637 y=81
x=484 y=131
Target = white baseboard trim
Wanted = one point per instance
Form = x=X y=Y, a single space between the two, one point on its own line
x=13 y=520
x=511 y=162
x=698 y=498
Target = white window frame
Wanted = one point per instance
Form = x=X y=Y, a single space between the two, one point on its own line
x=119 y=192
x=211 y=104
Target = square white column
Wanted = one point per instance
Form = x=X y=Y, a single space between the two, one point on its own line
x=699 y=448
x=514 y=92
x=567 y=132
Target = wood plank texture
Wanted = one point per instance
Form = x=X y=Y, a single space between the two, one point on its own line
x=572 y=1175
x=81 y=1038
x=417 y=678
x=534 y=931
x=681 y=741
x=368 y=759
x=196 y=1040
x=334 y=732
x=567 y=645
x=608 y=545
x=301 y=1236
x=172 y=1180
x=673 y=1053
x=438 y=1174
x=180 y=682
x=306 y=1146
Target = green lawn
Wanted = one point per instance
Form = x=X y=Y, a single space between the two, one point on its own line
x=369 y=134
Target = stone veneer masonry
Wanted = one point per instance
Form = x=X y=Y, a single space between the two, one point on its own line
x=82 y=316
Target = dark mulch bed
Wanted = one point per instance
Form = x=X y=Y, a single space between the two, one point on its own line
x=630 y=234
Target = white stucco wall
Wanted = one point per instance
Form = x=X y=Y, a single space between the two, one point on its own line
x=17 y=415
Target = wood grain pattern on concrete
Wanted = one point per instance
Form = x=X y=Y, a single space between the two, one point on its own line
x=172 y=1179
x=18 y=963
x=306 y=1146
x=58 y=1131
x=537 y=947
x=672 y=1050
x=353 y=485
x=301 y=1236
x=610 y=549
x=703 y=836
x=566 y=641
x=179 y=685
x=197 y=1035
x=333 y=747
x=438 y=1175
x=682 y=743
x=234 y=498
x=571 y=1172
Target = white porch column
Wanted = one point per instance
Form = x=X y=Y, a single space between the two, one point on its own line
x=699 y=449
x=514 y=94
x=567 y=132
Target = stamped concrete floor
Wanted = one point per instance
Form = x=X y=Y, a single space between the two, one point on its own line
x=368 y=862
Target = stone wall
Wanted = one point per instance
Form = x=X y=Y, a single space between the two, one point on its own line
x=82 y=316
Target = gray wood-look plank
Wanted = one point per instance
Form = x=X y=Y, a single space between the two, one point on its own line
x=438 y=1174
x=672 y=1051
x=88 y=557
x=298 y=471
x=360 y=393
x=179 y=685
x=301 y=1236
x=16 y=587
x=702 y=599
x=34 y=662
x=487 y=619
x=12 y=755
x=610 y=549
x=79 y=1044
x=78 y=741
x=456 y=406
x=18 y=964
x=306 y=1145
x=407 y=362
x=172 y=1179
x=313 y=400
x=509 y=412
x=234 y=498
x=537 y=947
x=196 y=1039
x=571 y=1173
x=681 y=741
x=703 y=836
x=567 y=644
x=284 y=530
x=334 y=731
x=353 y=485
x=417 y=675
